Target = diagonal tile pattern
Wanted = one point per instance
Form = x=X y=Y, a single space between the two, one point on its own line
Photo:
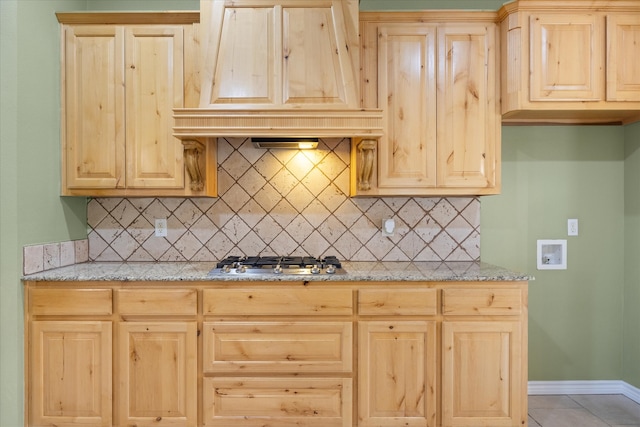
x=277 y=202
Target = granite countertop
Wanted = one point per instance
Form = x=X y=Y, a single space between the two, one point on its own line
x=356 y=271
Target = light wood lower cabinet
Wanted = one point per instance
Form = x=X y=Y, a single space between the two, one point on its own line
x=313 y=354
x=70 y=369
x=157 y=373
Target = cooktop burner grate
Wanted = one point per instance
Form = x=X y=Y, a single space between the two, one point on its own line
x=278 y=265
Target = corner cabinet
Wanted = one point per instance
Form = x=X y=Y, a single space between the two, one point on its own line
x=434 y=75
x=572 y=62
x=122 y=76
x=318 y=354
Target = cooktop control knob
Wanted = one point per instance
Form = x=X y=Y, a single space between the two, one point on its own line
x=277 y=269
x=315 y=269
x=331 y=269
x=226 y=269
x=241 y=269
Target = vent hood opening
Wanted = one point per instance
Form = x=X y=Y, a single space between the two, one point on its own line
x=290 y=143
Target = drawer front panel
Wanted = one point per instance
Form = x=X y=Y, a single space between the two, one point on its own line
x=309 y=402
x=158 y=301
x=277 y=301
x=278 y=347
x=398 y=302
x=505 y=302
x=71 y=302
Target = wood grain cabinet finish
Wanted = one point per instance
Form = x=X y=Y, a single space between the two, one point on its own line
x=571 y=62
x=397 y=373
x=435 y=77
x=318 y=354
x=157 y=373
x=120 y=84
x=279 y=55
x=70 y=371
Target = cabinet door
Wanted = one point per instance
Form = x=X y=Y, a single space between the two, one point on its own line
x=155 y=85
x=566 y=58
x=481 y=374
x=623 y=51
x=397 y=373
x=93 y=107
x=468 y=113
x=157 y=373
x=70 y=373
x=407 y=95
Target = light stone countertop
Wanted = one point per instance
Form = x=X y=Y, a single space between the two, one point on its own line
x=356 y=271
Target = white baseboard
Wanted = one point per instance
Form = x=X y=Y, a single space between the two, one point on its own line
x=585 y=387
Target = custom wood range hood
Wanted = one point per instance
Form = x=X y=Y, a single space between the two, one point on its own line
x=278 y=68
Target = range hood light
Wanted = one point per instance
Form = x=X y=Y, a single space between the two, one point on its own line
x=290 y=143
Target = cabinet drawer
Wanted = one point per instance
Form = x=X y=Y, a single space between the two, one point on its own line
x=398 y=302
x=158 y=301
x=277 y=301
x=278 y=346
x=309 y=402
x=482 y=301
x=71 y=301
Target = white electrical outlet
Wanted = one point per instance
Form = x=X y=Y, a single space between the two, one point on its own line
x=388 y=227
x=572 y=227
x=161 y=227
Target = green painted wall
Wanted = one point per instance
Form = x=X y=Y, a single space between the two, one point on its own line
x=550 y=174
x=631 y=349
x=31 y=210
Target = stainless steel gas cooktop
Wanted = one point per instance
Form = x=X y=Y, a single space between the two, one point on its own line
x=299 y=265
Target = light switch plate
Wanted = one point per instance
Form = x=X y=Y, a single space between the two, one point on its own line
x=572 y=227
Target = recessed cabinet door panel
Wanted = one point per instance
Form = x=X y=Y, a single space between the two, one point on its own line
x=281 y=402
x=242 y=54
x=93 y=81
x=154 y=73
x=481 y=373
x=70 y=373
x=158 y=373
x=468 y=116
x=397 y=373
x=407 y=94
x=312 y=68
x=623 y=54
x=566 y=58
x=292 y=347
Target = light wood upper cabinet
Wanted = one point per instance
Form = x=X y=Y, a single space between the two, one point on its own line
x=435 y=77
x=623 y=46
x=93 y=121
x=279 y=54
x=570 y=62
x=120 y=84
x=468 y=125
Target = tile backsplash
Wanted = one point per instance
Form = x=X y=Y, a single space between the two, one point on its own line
x=284 y=202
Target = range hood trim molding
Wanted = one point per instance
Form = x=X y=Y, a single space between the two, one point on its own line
x=209 y=122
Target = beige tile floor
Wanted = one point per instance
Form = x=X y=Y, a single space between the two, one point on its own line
x=610 y=410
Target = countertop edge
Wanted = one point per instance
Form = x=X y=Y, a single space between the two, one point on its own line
x=457 y=271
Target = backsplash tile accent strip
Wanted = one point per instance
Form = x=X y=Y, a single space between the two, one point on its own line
x=37 y=258
x=284 y=202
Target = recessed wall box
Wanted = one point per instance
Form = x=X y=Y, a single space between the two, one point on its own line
x=552 y=255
